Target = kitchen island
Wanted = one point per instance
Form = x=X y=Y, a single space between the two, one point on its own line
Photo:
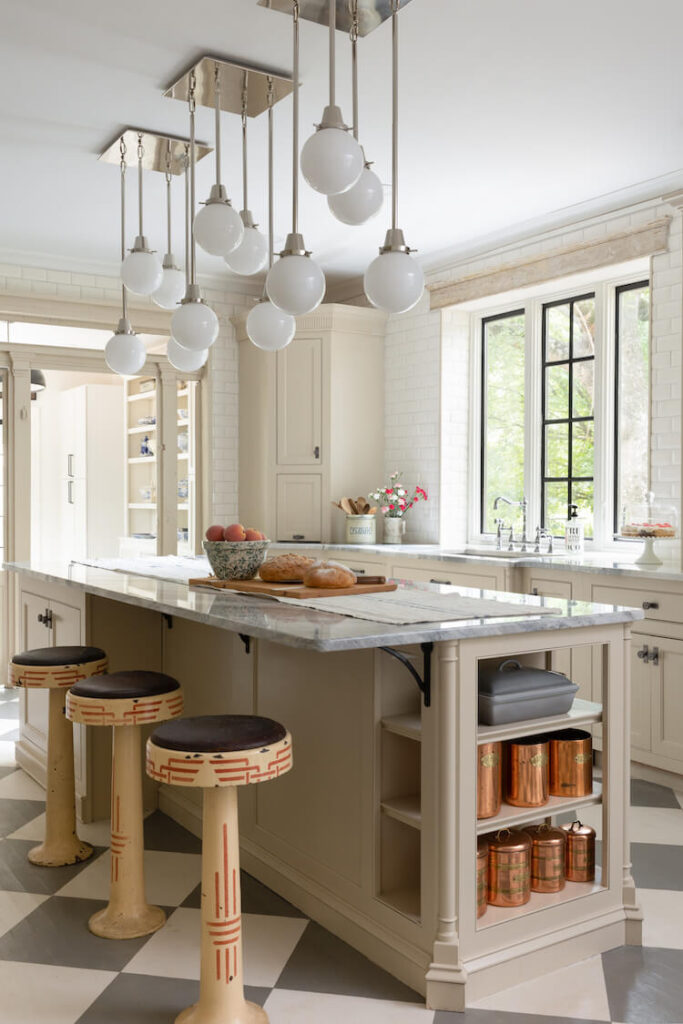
x=374 y=832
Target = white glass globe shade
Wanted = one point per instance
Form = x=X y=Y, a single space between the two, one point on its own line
x=394 y=282
x=125 y=354
x=194 y=326
x=251 y=254
x=295 y=284
x=218 y=228
x=269 y=328
x=360 y=202
x=171 y=290
x=141 y=272
x=184 y=359
x=332 y=161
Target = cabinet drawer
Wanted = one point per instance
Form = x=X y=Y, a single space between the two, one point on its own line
x=299 y=507
x=447 y=575
x=550 y=588
x=656 y=605
x=360 y=566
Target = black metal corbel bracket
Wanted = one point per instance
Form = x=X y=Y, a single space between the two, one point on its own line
x=246 y=640
x=424 y=681
x=168 y=619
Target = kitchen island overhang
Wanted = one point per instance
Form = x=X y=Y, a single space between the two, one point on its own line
x=374 y=832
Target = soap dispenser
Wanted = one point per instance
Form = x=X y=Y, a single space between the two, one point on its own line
x=573 y=532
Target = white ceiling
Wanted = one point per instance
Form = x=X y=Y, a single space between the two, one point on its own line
x=510 y=111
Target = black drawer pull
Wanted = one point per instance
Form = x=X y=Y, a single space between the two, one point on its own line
x=647 y=605
x=445 y=583
x=298 y=536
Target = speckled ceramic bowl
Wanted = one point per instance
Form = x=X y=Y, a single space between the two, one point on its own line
x=235 y=560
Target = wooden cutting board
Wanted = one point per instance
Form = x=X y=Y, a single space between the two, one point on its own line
x=293 y=589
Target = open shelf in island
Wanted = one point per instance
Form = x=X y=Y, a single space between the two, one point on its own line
x=541 y=901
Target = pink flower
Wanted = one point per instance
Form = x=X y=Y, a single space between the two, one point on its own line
x=390 y=490
x=384 y=508
x=392 y=507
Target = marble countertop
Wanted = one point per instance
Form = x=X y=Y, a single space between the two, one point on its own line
x=612 y=563
x=307 y=629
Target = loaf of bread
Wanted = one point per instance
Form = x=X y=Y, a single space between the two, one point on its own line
x=285 y=568
x=329 y=575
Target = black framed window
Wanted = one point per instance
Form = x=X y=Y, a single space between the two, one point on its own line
x=568 y=423
x=631 y=396
x=502 y=411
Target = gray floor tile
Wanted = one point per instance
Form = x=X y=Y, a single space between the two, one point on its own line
x=17 y=874
x=15 y=813
x=649 y=794
x=256 y=899
x=140 y=997
x=644 y=986
x=501 y=1017
x=323 y=963
x=57 y=933
x=657 y=866
x=9 y=709
x=5 y=771
x=162 y=833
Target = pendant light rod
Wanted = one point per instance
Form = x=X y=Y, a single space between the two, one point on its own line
x=167 y=172
x=394 y=114
x=295 y=121
x=245 y=194
x=271 y=230
x=354 y=66
x=217 y=94
x=141 y=153
x=188 y=227
x=124 y=296
x=332 y=29
x=192 y=107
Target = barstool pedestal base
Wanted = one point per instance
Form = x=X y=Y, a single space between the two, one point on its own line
x=55 y=855
x=249 y=1014
x=127 y=924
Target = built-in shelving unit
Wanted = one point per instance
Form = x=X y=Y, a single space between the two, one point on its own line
x=541 y=901
x=582 y=713
x=511 y=817
x=142 y=472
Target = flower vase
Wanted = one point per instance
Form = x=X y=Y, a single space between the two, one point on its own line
x=394 y=528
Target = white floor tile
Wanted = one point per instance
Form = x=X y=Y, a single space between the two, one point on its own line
x=656 y=825
x=7 y=725
x=20 y=786
x=679 y=796
x=286 y=1007
x=169 y=878
x=15 y=906
x=662 y=917
x=96 y=832
x=576 y=991
x=41 y=992
x=174 y=951
x=7 y=759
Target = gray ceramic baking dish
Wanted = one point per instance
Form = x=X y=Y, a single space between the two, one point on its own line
x=512 y=692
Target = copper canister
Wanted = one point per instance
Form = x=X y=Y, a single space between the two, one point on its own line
x=580 y=855
x=509 y=868
x=571 y=763
x=528 y=774
x=482 y=874
x=489 y=778
x=547 y=858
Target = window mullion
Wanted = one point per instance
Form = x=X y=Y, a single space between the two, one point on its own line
x=533 y=425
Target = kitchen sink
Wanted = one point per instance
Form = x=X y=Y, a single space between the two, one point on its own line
x=491 y=552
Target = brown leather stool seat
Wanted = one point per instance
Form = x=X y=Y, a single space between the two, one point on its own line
x=55 y=669
x=220 y=753
x=126 y=700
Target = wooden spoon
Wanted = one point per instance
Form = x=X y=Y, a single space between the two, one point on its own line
x=346 y=506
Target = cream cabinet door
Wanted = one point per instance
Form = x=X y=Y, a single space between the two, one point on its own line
x=299 y=403
x=66 y=625
x=563 y=661
x=642 y=677
x=449 y=575
x=34 y=634
x=299 y=507
x=666 y=674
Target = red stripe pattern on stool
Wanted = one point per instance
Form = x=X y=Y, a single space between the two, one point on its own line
x=53 y=677
x=124 y=711
x=233 y=768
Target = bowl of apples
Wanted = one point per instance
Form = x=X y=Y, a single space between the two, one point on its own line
x=235 y=552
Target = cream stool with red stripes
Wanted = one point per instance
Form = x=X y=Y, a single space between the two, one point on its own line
x=219 y=753
x=56 y=669
x=125 y=701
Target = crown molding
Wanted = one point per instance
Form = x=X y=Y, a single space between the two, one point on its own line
x=330 y=316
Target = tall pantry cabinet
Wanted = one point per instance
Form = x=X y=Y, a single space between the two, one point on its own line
x=311 y=423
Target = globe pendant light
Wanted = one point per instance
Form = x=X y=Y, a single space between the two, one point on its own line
x=251 y=254
x=194 y=325
x=183 y=358
x=295 y=284
x=363 y=200
x=332 y=160
x=267 y=326
x=394 y=281
x=141 y=270
x=124 y=353
x=217 y=227
x=172 y=287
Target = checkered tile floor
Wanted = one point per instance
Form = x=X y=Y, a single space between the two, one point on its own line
x=53 y=971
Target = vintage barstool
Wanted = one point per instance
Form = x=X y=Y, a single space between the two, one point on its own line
x=219 y=753
x=126 y=700
x=56 y=669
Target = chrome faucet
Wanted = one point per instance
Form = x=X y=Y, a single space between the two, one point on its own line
x=523 y=505
x=542 y=533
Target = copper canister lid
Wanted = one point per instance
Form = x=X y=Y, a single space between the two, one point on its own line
x=576 y=828
x=509 y=840
x=545 y=835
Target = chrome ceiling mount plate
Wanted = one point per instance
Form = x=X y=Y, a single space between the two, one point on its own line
x=371 y=13
x=235 y=80
x=157 y=149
